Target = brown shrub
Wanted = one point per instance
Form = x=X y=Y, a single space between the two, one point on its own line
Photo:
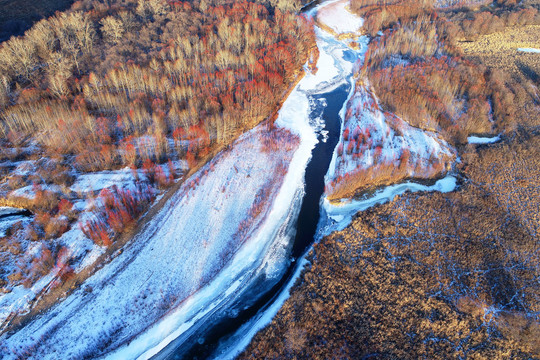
x=118 y=210
x=16 y=182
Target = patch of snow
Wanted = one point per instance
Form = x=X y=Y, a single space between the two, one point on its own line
x=97 y=181
x=24 y=168
x=7 y=210
x=335 y=64
x=6 y=223
x=90 y=257
x=483 y=140
x=24 y=192
x=29 y=191
x=336 y=15
x=18 y=299
x=529 y=50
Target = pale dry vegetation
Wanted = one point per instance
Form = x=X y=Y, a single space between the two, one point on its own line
x=469 y=22
x=499 y=52
x=435 y=276
x=420 y=75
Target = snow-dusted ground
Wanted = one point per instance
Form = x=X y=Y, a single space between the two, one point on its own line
x=529 y=50
x=97 y=181
x=371 y=138
x=9 y=216
x=79 y=248
x=374 y=138
x=7 y=223
x=187 y=244
x=459 y=3
x=336 y=16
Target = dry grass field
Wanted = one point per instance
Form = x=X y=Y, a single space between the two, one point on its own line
x=427 y=276
x=500 y=50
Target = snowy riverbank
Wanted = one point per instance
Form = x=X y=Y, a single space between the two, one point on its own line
x=217 y=234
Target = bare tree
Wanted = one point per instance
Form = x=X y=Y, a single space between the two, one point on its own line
x=19 y=57
x=112 y=28
x=59 y=71
x=203 y=5
x=44 y=39
x=4 y=91
x=151 y=8
x=76 y=34
x=128 y=20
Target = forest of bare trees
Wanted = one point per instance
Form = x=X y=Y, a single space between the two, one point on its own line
x=148 y=68
x=420 y=74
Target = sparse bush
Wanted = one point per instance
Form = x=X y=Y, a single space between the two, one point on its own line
x=40 y=266
x=56 y=227
x=44 y=200
x=16 y=182
x=117 y=210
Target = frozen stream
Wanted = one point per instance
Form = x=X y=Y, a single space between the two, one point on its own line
x=335 y=67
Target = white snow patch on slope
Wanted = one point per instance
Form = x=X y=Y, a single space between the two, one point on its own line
x=483 y=140
x=7 y=210
x=529 y=50
x=373 y=141
x=103 y=179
